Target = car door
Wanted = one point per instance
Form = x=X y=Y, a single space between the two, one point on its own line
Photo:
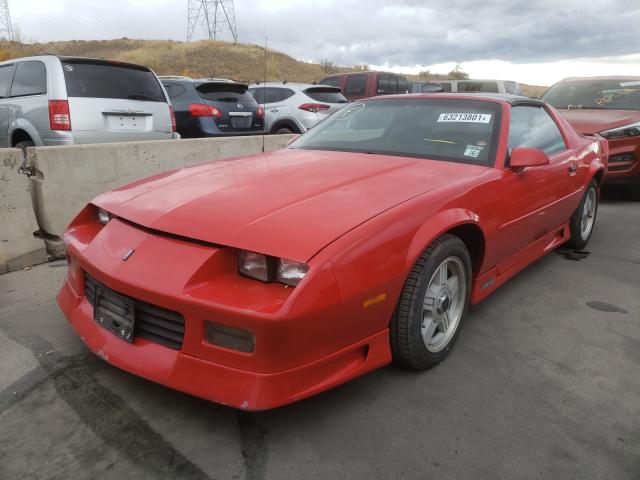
x=538 y=199
x=275 y=101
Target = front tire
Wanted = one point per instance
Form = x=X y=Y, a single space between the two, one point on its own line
x=434 y=299
x=583 y=219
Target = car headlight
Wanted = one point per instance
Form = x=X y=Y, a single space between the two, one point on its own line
x=632 y=130
x=269 y=269
x=103 y=216
x=254 y=265
x=290 y=272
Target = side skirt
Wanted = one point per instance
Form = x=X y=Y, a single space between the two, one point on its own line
x=489 y=282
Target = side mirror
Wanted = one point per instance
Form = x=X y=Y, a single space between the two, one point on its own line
x=292 y=139
x=522 y=157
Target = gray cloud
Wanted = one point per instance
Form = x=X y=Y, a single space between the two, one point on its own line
x=375 y=32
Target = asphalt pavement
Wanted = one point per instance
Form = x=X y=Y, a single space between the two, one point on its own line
x=544 y=383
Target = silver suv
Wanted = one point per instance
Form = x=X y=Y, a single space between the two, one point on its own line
x=296 y=107
x=51 y=100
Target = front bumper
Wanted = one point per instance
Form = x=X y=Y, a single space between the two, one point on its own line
x=222 y=384
x=298 y=350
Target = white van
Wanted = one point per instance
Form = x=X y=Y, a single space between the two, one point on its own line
x=52 y=100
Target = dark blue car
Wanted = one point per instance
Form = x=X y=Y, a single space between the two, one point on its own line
x=213 y=108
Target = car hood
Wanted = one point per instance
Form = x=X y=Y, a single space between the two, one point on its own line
x=590 y=121
x=289 y=203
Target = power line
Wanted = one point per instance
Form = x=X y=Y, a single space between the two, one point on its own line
x=214 y=16
x=6 y=29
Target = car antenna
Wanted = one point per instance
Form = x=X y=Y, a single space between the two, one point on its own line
x=264 y=93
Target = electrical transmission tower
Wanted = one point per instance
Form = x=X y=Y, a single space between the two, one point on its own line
x=6 y=29
x=214 y=15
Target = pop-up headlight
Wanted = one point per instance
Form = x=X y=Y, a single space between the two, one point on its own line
x=103 y=216
x=269 y=269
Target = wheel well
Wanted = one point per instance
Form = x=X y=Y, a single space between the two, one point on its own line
x=599 y=177
x=20 y=136
x=473 y=238
x=285 y=123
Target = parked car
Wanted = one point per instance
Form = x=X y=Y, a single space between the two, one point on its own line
x=360 y=85
x=425 y=87
x=609 y=106
x=296 y=107
x=484 y=86
x=260 y=281
x=55 y=100
x=215 y=107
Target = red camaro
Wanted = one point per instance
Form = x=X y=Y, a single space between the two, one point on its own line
x=260 y=281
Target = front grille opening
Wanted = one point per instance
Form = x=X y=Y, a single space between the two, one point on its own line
x=153 y=323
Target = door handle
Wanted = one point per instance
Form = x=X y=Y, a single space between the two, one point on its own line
x=573 y=169
x=275 y=110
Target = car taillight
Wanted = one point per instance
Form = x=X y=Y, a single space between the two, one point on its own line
x=260 y=112
x=314 y=107
x=59 y=116
x=202 y=110
x=173 y=118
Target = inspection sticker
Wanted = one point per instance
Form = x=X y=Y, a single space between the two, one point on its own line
x=473 y=151
x=465 y=117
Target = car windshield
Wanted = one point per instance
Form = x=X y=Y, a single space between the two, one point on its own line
x=457 y=130
x=606 y=94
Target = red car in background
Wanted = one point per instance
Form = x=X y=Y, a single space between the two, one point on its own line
x=263 y=280
x=361 y=85
x=609 y=106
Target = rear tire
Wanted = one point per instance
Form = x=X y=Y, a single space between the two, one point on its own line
x=24 y=145
x=283 y=131
x=583 y=220
x=432 y=305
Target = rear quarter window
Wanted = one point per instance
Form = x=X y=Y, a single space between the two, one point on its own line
x=6 y=74
x=30 y=79
x=111 y=80
x=513 y=88
x=174 y=90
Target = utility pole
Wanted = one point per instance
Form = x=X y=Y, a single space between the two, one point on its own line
x=6 y=29
x=214 y=15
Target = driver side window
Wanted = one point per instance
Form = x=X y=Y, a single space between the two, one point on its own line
x=532 y=127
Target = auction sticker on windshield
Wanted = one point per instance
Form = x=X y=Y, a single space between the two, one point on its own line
x=465 y=117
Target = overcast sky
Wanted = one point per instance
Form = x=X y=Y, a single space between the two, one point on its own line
x=531 y=41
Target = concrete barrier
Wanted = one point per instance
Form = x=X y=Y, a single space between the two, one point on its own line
x=18 y=247
x=66 y=178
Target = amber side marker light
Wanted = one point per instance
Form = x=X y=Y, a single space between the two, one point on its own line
x=230 y=337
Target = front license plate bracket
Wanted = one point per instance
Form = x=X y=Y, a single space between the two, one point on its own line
x=115 y=313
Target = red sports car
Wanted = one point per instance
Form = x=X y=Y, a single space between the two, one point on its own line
x=609 y=106
x=260 y=281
